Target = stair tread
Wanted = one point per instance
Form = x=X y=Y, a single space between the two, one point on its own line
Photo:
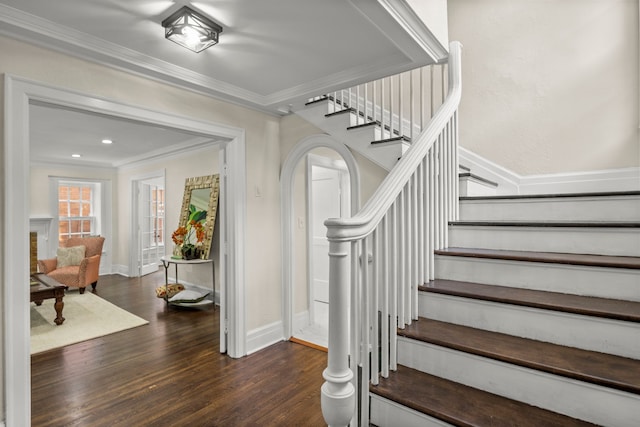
x=578 y=304
x=546 y=257
x=567 y=224
x=462 y=405
x=552 y=196
x=401 y=138
x=597 y=368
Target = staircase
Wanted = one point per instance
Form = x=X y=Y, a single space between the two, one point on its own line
x=486 y=310
x=512 y=333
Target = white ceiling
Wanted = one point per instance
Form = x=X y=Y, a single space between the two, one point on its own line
x=272 y=56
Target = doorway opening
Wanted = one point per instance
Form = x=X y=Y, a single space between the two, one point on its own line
x=327 y=196
x=19 y=94
x=147 y=223
x=316 y=166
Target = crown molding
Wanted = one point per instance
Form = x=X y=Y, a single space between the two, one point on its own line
x=394 y=18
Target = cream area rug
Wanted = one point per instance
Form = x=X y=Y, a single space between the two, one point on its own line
x=86 y=316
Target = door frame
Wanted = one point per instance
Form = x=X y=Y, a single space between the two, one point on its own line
x=287 y=221
x=345 y=196
x=18 y=94
x=134 y=223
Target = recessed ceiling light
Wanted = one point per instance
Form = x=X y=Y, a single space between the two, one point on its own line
x=107 y=141
x=76 y=156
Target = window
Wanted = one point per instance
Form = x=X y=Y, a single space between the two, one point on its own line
x=77 y=209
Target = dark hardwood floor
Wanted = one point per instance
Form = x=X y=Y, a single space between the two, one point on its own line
x=170 y=373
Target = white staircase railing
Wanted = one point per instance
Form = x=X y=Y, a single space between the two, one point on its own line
x=378 y=257
x=401 y=104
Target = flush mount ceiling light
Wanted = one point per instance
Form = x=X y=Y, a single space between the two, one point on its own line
x=190 y=29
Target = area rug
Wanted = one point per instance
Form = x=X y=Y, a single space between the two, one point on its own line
x=87 y=316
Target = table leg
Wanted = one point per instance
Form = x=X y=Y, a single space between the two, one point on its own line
x=58 y=305
x=166 y=281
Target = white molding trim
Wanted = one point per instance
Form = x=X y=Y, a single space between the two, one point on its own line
x=42 y=226
x=120 y=269
x=287 y=177
x=264 y=336
x=509 y=182
x=18 y=94
x=626 y=179
x=32 y=29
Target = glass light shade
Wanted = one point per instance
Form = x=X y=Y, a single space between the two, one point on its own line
x=191 y=29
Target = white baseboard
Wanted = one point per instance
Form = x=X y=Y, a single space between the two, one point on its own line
x=120 y=269
x=509 y=182
x=627 y=179
x=264 y=336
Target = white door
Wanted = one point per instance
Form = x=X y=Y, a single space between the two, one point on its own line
x=329 y=199
x=151 y=226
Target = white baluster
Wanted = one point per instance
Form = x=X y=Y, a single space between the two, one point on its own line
x=393 y=285
x=384 y=303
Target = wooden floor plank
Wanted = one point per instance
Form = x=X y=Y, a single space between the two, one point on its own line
x=590 y=306
x=597 y=368
x=170 y=373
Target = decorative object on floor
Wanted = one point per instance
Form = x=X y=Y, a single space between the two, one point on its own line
x=198 y=215
x=191 y=29
x=169 y=290
x=75 y=267
x=87 y=316
x=188 y=296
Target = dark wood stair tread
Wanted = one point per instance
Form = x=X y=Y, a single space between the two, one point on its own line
x=553 y=196
x=568 y=303
x=549 y=224
x=545 y=257
x=597 y=368
x=462 y=405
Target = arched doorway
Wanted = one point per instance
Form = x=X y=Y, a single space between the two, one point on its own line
x=292 y=222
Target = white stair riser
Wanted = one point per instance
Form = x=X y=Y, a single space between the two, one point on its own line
x=618 y=208
x=573 y=330
x=576 y=399
x=385 y=412
x=597 y=241
x=471 y=187
x=621 y=283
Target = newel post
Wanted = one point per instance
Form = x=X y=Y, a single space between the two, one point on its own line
x=338 y=394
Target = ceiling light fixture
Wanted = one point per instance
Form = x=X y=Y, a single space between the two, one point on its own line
x=76 y=156
x=190 y=29
x=107 y=141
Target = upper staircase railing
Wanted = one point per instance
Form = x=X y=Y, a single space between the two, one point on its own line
x=378 y=257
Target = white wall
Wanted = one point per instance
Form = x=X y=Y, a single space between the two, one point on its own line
x=434 y=14
x=549 y=86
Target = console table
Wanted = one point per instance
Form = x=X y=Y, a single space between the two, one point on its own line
x=168 y=260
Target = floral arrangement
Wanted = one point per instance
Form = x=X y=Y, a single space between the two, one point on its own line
x=189 y=238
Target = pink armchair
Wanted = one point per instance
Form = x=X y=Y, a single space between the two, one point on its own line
x=77 y=276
